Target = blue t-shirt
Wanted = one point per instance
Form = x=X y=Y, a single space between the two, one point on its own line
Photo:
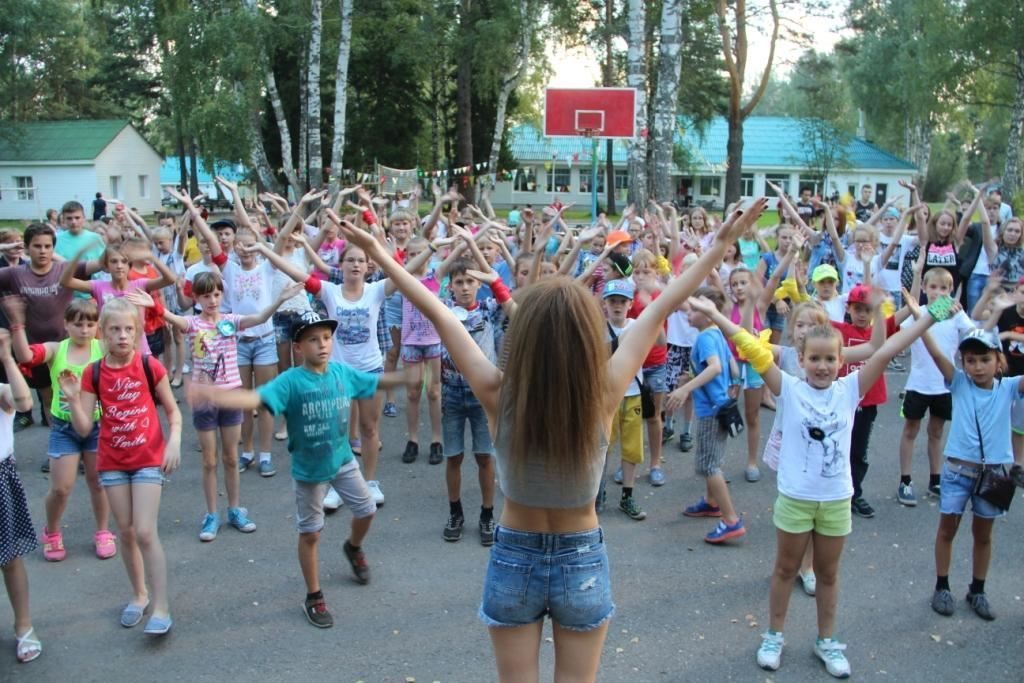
x=316 y=409
x=992 y=408
x=713 y=395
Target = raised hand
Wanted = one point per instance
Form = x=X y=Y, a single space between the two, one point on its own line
x=227 y=184
x=70 y=384
x=140 y=297
x=290 y=290
x=488 y=278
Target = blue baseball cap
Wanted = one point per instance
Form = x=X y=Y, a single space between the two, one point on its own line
x=891 y=212
x=979 y=337
x=624 y=288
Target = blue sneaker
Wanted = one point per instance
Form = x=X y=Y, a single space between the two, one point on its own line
x=657 y=477
x=237 y=518
x=723 y=532
x=267 y=468
x=617 y=477
x=244 y=461
x=702 y=509
x=210 y=526
x=390 y=409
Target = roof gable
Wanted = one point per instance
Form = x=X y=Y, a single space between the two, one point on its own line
x=768 y=141
x=57 y=140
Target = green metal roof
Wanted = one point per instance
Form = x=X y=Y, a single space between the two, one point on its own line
x=57 y=140
x=768 y=141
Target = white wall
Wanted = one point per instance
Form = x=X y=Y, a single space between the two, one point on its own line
x=129 y=156
x=55 y=184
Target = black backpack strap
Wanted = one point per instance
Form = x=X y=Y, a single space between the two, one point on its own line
x=94 y=368
x=615 y=337
x=146 y=368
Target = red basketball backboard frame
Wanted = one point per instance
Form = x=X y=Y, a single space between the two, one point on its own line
x=598 y=112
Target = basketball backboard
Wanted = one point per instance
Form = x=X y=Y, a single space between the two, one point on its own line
x=594 y=112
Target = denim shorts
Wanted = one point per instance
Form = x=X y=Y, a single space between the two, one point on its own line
x=459 y=405
x=751 y=380
x=209 y=418
x=393 y=310
x=418 y=353
x=257 y=350
x=957 y=487
x=774 y=320
x=656 y=377
x=64 y=440
x=144 y=475
x=283 y=321
x=531 y=575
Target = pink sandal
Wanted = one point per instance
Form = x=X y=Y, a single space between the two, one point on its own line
x=105 y=548
x=53 y=546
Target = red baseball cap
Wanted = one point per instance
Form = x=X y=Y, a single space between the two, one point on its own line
x=861 y=294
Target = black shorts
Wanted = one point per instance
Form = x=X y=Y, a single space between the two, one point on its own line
x=915 y=405
x=156 y=342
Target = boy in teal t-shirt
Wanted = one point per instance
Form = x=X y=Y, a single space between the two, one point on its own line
x=315 y=399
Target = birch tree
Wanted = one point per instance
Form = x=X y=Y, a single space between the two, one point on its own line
x=287 y=155
x=1011 y=171
x=341 y=93
x=734 y=51
x=316 y=157
x=636 y=77
x=666 y=97
x=512 y=78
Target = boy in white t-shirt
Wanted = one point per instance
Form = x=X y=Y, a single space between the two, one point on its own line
x=926 y=390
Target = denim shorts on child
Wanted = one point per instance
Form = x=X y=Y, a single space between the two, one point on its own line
x=774 y=319
x=827 y=518
x=419 y=353
x=628 y=429
x=144 y=475
x=749 y=376
x=459 y=406
x=531 y=575
x=656 y=378
x=209 y=417
x=957 y=487
x=64 y=440
x=257 y=350
x=350 y=485
x=393 y=310
x=283 y=321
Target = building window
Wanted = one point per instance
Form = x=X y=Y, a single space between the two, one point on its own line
x=815 y=185
x=747 y=185
x=526 y=180
x=621 y=179
x=115 y=186
x=600 y=180
x=144 y=186
x=710 y=186
x=558 y=180
x=26 y=189
x=782 y=180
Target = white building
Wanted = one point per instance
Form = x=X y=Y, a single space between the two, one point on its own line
x=46 y=163
x=550 y=167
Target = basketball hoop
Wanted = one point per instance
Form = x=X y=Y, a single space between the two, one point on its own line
x=589 y=133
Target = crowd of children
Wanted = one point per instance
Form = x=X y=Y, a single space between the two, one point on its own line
x=319 y=311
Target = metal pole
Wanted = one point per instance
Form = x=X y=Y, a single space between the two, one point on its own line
x=593 y=179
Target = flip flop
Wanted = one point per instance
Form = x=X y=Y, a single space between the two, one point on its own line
x=29 y=647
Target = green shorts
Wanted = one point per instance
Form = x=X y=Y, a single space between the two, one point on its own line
x=828 y=518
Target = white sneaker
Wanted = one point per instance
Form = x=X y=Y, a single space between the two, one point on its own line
x=830 y=651
x=186 y=368
x=769 y=655
x=810 y=582
x=378 y=496
x=332 y=501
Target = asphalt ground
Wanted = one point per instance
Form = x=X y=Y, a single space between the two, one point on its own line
x=686 y=611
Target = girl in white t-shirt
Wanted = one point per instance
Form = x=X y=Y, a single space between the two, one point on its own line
x=814 y=479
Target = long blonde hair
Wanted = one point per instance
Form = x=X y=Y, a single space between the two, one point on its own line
x=553 y=394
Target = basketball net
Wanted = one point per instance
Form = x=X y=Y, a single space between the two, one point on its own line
x=395 y=180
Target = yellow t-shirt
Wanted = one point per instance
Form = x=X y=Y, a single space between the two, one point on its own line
x=192 y=254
